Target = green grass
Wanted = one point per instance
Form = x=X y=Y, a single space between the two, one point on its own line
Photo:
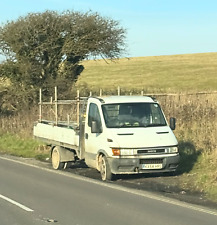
x=176 y=73
x=203 y=176
x=12 y=144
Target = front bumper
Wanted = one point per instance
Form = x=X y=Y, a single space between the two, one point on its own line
x=136 y=165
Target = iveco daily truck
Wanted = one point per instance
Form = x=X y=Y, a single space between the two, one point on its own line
x=113 y=134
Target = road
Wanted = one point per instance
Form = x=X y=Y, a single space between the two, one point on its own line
x=33 y=195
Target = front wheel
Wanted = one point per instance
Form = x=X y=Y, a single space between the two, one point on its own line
x=105 y=170
x=57 y=165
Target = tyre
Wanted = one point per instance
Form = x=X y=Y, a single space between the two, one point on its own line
x=57 y=165
x=105 y=170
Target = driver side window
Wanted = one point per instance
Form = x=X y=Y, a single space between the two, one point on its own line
x=93 y=114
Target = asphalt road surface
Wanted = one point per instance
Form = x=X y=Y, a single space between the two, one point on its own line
x=33 y=195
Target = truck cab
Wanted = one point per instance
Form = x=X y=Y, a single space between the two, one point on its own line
x=128 y=135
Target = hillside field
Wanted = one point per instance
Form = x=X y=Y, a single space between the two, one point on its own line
x=153 y=74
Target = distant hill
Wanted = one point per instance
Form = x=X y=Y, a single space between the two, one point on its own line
x=175 y=73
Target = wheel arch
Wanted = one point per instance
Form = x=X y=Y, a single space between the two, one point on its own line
x=100 y=153
x=51 y=149
x=66 y=154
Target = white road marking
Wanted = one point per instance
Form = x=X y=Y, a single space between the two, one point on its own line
x=16 y=203
x=125 y=189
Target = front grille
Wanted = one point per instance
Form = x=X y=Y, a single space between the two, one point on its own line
x=150 y=151
x=151 y=161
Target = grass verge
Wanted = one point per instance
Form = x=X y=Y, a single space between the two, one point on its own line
x=203 y=176
x=12 y=144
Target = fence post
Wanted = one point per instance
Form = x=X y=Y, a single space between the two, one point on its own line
x=68 y=120
x=78 y=106
x=100 y=92
x=56 y=106
x=119 y=90
x=40 y=105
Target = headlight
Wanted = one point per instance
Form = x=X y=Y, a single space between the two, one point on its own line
x=172 y=150
x=118 y=152
x=127 y=152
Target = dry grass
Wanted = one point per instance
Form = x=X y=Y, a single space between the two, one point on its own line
x=196 y=131
x=158 y=74
x=196 y=118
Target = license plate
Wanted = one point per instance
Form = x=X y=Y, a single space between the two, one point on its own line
x=151 y=166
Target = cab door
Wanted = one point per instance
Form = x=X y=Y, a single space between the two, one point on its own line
x=92 y=140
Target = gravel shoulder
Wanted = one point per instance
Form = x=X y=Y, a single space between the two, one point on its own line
x=168 y=186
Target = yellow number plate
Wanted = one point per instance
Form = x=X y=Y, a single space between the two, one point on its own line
x=151 y=166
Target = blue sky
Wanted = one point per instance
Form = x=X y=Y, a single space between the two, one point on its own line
x=154 y=27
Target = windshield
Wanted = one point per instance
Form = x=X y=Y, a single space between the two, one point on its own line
x=133 y=115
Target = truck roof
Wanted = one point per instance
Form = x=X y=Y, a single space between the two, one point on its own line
x=125 y=99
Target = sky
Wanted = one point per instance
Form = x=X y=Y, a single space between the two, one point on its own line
x=154 y=27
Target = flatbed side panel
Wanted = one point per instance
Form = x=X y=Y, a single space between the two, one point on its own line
x=56 y=134
x=57 y=143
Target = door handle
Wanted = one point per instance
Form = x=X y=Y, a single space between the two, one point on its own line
x=86 y=136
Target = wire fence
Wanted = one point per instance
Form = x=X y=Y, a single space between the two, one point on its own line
x=196 y=115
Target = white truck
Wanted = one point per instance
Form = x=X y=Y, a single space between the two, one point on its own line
x=114 y=134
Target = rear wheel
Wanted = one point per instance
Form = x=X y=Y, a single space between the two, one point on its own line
x=105 y=170
x=56 y=157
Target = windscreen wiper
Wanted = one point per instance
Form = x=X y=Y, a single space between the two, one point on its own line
x=155 y=125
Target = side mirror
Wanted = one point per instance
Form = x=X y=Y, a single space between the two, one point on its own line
x=95 y=128
x=173 y=123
